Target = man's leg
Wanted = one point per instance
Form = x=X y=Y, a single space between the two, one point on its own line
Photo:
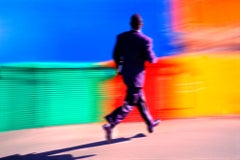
x=121 y=112
x=146 y=115
x=118 y=114
x=116 y=117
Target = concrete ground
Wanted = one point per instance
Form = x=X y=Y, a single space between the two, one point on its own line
x=212 y=138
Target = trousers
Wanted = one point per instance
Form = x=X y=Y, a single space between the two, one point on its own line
x=134 y=97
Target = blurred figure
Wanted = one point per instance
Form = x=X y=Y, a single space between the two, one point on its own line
x=131 y=51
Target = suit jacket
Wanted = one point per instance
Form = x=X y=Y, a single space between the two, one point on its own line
x=135 y=48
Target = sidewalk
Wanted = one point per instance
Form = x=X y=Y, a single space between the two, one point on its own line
x=216 y=138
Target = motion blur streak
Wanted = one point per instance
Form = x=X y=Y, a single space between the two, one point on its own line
x=200 y=79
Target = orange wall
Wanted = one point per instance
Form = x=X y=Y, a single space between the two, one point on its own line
x=194 y=14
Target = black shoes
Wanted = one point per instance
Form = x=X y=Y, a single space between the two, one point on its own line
x=108 y=131
x=154 y=124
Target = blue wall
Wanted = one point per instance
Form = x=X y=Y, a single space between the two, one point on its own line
x=76 y=30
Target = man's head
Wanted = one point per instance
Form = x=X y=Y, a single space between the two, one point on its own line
x=136 y=22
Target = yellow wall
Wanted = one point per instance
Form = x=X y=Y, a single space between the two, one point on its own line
x=209 y=85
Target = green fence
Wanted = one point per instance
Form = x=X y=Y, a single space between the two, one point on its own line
x=38 y=95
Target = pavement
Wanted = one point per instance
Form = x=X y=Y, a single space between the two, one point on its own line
x=206 y=138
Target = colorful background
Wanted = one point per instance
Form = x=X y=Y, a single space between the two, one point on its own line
x=56 y=66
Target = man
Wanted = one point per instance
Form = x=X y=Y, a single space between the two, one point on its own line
x=131 y=51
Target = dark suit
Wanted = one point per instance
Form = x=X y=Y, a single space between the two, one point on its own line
x=134 y=49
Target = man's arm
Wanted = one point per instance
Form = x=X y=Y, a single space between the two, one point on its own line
x=117 y=57
x=150 y=55
x=116 y=53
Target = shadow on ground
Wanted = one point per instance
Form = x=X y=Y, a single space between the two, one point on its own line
x=51 y=155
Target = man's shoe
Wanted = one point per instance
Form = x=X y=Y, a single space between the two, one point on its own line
x=108 y=130
x=155 y=123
